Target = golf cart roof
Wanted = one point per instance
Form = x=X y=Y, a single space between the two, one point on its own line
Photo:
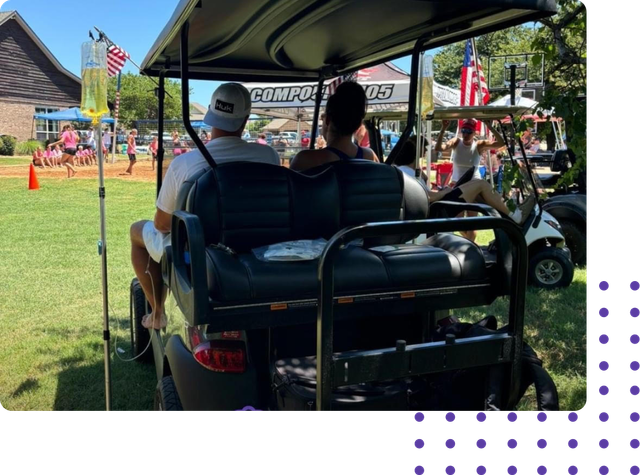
x=458 y=112
x=296 y=40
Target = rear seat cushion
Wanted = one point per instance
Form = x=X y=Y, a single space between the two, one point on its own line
x=397 y=267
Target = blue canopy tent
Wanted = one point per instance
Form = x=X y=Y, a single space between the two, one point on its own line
x=71 y=115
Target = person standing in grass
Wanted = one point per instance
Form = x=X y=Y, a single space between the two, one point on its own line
x=153 y=149
x=106 y=142
x=131 y=150
x=69 y=140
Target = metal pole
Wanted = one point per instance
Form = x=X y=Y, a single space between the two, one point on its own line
x=512 y=83
x=184 y=79
x=160 y=156
x=419 y=124
x=102 y=251
x=115 y=120
x=481 y=98
x=316 y=112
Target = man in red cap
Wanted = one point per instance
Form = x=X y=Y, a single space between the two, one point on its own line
x=467 y=153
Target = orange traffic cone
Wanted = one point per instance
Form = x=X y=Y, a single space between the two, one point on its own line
x=33 y=179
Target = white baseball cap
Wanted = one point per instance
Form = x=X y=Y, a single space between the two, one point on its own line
x=230 y=106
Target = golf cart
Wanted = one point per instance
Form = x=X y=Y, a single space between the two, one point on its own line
x=353 y=328
x=550 y=264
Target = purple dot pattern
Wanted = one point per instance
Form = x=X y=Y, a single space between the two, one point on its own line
x=481 y=443
x=635 y=444
x=604 y=285
x=419 y=444
x=542 y=470
x=635 y=339
x=542 y=444
x=604 y=443
x=573 y=444
x=481 y=416
x=573 y=470
x=419 y=470
x=451 y=443
x=450 y=470
x=604 y=417
x=513 y=443
x=634 y=470
x=451 y=417
x=481 y=470
x=634 y=312
x=604 y=365
x=542 y=417
x=419 y=417
x=635 y=285
x=512 y=417
x=604 y=339
x=634 y=366
x=634 y=417
x=604 y=312
x=635 y=390
x=573 y=417
x=512 y=470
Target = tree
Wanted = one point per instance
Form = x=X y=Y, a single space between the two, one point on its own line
x=563 y=40
x=138 y=99
x=447 y=63
x=257 y=125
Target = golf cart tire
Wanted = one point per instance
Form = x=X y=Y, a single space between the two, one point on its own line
x=167 y=398
x=576 y=240
x=561 y=265
x=140 y=335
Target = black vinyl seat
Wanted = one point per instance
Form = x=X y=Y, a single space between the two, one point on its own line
x=242 y=206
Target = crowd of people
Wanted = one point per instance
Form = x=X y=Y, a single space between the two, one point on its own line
x=343 y=117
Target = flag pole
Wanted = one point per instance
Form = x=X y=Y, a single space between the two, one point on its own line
x=480 y=101
x=116 y=113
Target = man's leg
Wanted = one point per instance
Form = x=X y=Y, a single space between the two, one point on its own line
x=151 y=280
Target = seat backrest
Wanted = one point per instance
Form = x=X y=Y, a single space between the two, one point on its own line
x=247 y=205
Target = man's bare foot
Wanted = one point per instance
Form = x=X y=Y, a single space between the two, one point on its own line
x=156 y=324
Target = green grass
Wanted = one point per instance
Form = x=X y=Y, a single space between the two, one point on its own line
x=51 y=351
x=12 y=161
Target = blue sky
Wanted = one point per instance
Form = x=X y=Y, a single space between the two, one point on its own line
x=133 y=24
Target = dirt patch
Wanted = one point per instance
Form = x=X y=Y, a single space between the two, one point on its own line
x=141 y=171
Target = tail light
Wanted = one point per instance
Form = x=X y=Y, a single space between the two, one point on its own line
x=222 y=356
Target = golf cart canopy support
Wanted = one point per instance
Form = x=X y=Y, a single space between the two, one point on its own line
x=297 y=40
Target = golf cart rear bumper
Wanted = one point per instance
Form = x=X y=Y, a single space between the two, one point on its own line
x=201 y=389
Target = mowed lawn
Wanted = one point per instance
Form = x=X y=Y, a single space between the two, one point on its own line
x=51 y=350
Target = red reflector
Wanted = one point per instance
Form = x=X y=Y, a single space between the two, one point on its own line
x=345 y=300
x=279 y=306
x=222 y=359
x=231 y=335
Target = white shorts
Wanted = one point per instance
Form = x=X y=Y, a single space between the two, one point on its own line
x=155 y=241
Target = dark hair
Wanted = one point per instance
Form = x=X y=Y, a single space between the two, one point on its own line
x=346 y=107
x=407 y=154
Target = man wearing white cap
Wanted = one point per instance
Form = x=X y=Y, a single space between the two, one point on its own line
x=227 y=115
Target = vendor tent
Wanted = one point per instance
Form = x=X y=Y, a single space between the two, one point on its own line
x=70 y=115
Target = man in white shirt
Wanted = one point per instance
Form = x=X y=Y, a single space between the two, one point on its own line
x=227 y=115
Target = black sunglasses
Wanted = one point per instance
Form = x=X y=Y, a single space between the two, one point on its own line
x=467 y=131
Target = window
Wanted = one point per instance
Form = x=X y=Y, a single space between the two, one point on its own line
x=47 y=129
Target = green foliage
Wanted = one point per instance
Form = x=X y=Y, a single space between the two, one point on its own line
x=7 y=145
x=28 y=147
x=138 y=99
x=257 y=125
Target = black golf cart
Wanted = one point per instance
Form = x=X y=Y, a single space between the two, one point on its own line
x=357 y=327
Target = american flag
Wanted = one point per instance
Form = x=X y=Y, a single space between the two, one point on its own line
x=333 y=85
x=469 y=82
x=363 y=74
x=116 y=58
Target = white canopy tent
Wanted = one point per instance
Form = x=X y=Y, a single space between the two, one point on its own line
x=386 y=87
